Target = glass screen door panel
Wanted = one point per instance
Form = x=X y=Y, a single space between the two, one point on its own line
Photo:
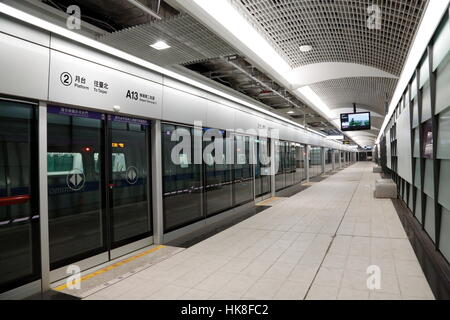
x=19 y=216
x=218 y=176
x=76 y=210
x=129 y=189
x=182 y=179
x=262 y=168
x=243 y=171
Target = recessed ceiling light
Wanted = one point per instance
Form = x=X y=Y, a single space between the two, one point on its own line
x=160 y=45
x=306 y=48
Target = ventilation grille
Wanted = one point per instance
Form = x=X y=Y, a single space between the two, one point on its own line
x=337 y=29
x=190 y=41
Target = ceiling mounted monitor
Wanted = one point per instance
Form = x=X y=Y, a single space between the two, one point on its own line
x=355 y=121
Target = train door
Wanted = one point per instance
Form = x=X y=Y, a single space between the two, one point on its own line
x=98 y=199
x=19 y=205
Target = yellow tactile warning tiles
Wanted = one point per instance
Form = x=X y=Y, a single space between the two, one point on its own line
x=108 y=268
x=269 y=202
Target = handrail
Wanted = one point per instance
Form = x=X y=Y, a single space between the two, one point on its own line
x=7 y=201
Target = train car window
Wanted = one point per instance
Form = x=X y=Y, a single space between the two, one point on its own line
x=62 y=163
x=118 y=162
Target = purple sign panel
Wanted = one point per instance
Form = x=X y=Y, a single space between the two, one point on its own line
x=128 y=120
x=64 y=111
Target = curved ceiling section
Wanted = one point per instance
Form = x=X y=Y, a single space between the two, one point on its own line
x=320 y=72
x=339 y=31
x=364 y=91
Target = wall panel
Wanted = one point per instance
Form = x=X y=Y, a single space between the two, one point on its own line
x=183 y=107
x=404 y=146
x=23 y=68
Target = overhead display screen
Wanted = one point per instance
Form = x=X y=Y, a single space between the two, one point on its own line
x=355 y=121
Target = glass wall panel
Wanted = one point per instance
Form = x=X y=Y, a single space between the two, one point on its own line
x=442 y=83
x=429 y=218
x=414 y=88
x=410 y=199
x=429 y=178
x=426 y=103
x=444 y=184
x=416 y=143
x=418 y=213
x=444 y=243
x=243 y=170
x=443 y=145
x=75 y=207
x=182 y=179
x=19 y=215
x=424 y=73
x=415 y=113
x=219 y=175
x=441 y=46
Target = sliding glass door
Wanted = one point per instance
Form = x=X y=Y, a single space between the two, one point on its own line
x=98 y=183
x=128 y=179
x=19 y=205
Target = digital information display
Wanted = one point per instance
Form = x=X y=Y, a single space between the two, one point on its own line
x=355 y=121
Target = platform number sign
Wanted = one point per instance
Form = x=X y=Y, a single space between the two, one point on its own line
x=66 y=79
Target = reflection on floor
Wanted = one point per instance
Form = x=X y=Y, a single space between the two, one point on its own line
x=317 y=244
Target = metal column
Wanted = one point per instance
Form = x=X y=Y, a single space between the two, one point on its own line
x=156 y=149
x=43 y=199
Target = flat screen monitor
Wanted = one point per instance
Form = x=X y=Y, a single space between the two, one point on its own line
x=355 y=121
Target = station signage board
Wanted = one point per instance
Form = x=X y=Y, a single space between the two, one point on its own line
x=79 y=82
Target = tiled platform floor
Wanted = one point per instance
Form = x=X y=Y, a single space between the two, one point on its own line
x=317 y=244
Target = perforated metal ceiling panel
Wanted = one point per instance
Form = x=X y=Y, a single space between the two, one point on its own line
x=190 y=41
x=370 y=92
x=337 y=30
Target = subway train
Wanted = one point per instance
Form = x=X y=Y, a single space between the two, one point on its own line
x=87 y=176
